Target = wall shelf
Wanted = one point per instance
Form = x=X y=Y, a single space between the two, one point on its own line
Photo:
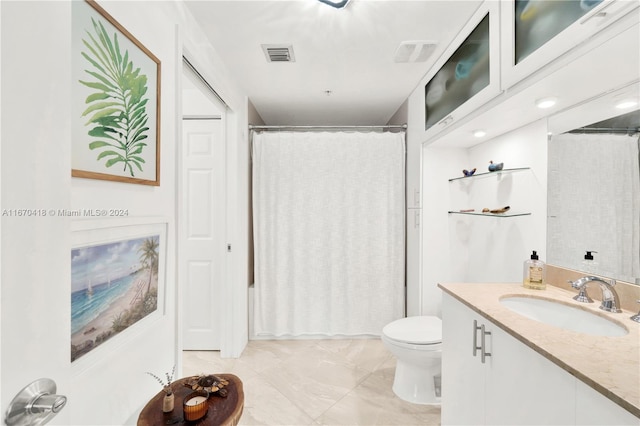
x=506 y=214
x=499 y=173
x=486 y=174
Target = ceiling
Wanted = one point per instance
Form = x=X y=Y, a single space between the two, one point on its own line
x=344 y=71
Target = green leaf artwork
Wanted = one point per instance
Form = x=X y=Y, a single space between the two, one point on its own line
x=116 y=111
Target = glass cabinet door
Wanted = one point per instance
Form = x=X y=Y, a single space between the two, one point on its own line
x=535 y=33
x=538 y=21
x=464 y=74
x=465 y=77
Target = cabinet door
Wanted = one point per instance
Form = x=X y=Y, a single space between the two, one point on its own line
x=462 y=374
x=514 y=386
x=593 y=408
x=535 y=33
x=459 y=83
x=523 y=387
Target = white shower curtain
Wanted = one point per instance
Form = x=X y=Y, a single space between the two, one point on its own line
x=594 y=192
x=328 y=232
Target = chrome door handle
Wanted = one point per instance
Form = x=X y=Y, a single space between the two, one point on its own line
x=483 y=352
x=36 y=404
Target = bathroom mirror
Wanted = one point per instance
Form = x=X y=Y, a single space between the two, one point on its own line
x=593 y=193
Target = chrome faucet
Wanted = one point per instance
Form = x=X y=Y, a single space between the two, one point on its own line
x=636 y=317
x=610 y=299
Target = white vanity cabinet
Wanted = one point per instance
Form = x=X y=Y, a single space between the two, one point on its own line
x=593 y=408
x=463 y=374
x=524 y=387
x=515 y=385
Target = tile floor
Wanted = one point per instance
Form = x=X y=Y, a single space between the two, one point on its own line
x=316 y=382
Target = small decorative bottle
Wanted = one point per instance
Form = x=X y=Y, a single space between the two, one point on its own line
x=534 y=273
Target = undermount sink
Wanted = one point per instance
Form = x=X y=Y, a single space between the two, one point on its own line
x=563 y=316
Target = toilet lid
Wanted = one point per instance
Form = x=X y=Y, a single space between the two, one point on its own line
x=419 y=330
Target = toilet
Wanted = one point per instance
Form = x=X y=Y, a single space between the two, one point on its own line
x=416 y=342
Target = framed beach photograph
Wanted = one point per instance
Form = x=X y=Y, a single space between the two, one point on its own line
x=115 y=101
x=117 y=282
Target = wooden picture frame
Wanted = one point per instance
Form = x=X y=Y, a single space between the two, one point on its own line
x=115 y=101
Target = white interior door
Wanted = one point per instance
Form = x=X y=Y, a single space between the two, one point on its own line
x=203 y=238
x=202 y=219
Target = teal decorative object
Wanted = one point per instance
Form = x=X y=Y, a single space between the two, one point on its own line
x=493 y=167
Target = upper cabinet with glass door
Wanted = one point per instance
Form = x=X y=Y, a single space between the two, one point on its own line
x=536 y=32
x=467 y=75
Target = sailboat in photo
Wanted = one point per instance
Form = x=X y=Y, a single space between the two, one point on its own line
x=89 y=288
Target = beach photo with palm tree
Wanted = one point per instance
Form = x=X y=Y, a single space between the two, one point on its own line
x=122 y=277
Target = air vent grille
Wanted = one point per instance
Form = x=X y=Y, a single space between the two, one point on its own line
x=278 y=52
x=415 y=51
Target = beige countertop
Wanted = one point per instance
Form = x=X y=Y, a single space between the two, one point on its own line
x=610 y=365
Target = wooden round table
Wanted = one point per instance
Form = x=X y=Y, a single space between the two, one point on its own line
x=222 y=411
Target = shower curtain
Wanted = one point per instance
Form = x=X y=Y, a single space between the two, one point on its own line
x=597 y=179
x=328 y=232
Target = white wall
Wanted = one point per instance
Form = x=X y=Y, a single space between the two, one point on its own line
x=482 y=249
x=439 y=165
x=109 y=386
x=496 y=247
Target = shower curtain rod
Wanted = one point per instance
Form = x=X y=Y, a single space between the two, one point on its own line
x=388 y=126
x=606 y=130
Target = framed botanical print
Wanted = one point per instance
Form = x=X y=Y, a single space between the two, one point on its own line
x=115 y=101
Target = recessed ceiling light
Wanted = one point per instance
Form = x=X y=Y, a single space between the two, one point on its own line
x=479 y=133
x=546 y=102
x=338 y=4
x=626 y=104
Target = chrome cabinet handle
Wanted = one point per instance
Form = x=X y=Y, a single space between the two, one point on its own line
x=483 y=352
x=475 y=337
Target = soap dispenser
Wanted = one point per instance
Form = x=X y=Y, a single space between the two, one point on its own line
x=588 y=264
x=534 y=273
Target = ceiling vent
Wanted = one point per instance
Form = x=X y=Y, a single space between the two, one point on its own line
x=279 y=52
x=414 y=51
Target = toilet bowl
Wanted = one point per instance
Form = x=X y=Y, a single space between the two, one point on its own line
x=416 y=342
